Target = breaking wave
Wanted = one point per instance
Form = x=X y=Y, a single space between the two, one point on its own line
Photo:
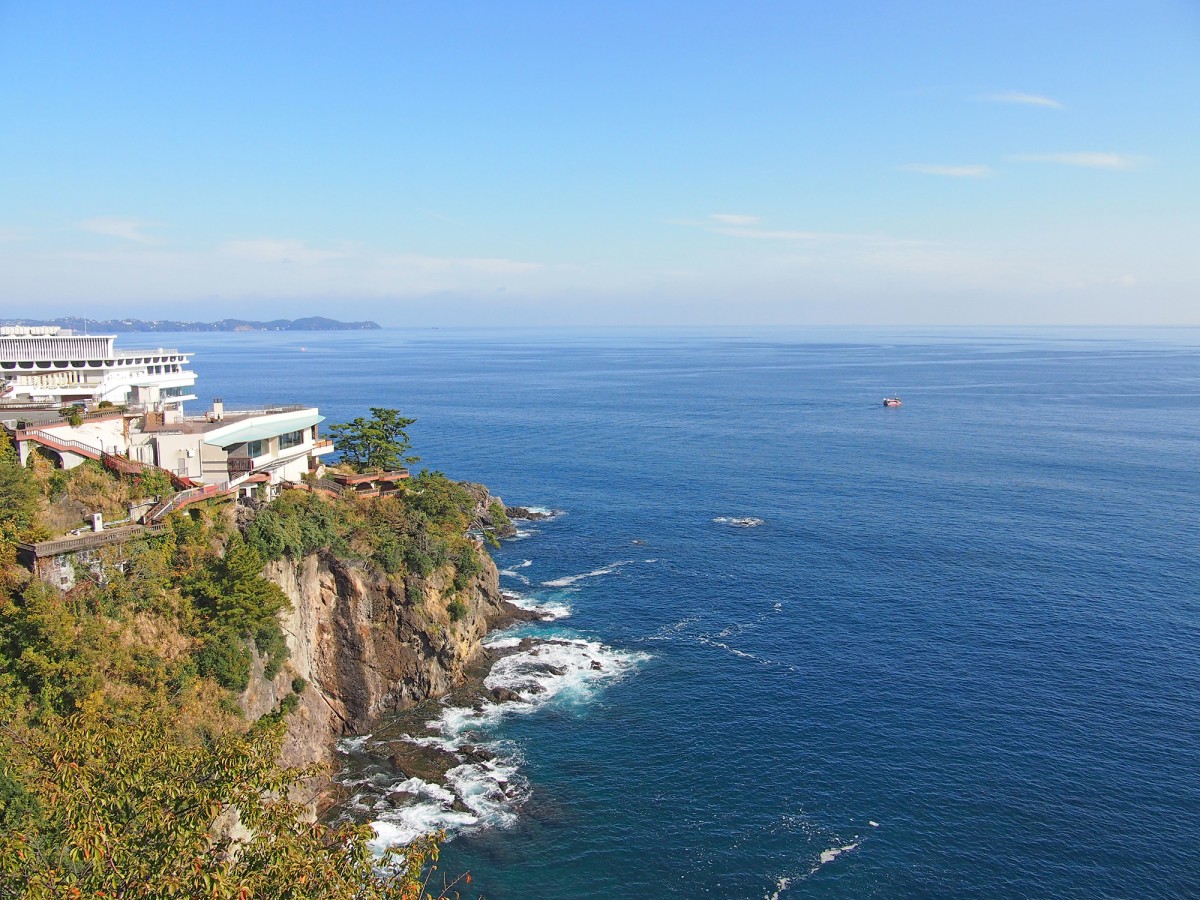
x=569 y=580
x=511 y=571
x=739 y=521
x=486 y=788
x=547 y=609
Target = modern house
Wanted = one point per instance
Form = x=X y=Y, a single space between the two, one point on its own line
x=268 y=446
x=129 y=415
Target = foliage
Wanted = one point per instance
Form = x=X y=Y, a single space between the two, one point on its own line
x=414 y=532
x=233 y=591
x=224 y=658
x=154 y=482
x=122 y=748
x=19 y=497
x=457 y=610
x=73 y=415
x=377 y=444
x=111 y=802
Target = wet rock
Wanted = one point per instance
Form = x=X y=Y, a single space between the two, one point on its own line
x=524 y=513
x=477 y=754
x=596 y=666
x=504 y=695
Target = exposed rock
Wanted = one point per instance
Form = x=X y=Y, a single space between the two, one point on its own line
x=526 y=514
x=367 y=645
x=504 y=695
x=485 y=504
x=477 y=754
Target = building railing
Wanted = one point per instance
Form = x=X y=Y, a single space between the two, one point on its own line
x=55 y=442
x=242 y=413
x=43 y=549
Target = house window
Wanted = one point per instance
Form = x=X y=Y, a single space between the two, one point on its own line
x=256 y=448
x=291 y=439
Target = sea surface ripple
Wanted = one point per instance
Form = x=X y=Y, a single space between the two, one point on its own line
x=956 y=655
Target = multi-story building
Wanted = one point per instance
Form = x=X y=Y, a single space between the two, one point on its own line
x=54 y=366
x=143 y=423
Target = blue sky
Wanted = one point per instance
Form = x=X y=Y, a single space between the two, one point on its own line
x=619 y=163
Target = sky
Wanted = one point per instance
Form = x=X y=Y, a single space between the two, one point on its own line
x=603 y=164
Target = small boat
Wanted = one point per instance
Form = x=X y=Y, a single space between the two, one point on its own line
x=891 y=401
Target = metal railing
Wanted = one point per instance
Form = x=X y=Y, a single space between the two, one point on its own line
x=54 y=442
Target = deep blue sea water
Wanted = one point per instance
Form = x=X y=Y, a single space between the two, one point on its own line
x=960 y=656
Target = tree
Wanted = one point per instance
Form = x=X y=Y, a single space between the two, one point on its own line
x=19 y=496
x=377 y=444
x=114 y=802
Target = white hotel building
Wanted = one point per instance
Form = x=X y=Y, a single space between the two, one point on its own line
x=45 y=369
x=55 y=366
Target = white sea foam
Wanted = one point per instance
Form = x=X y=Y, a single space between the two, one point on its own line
x=353 y=744
x=739 y=521
x=668 y=632
x=781 y=884
x=548 y=609
x=511 y=571
x=573 y=668
x=499 y=642
x=491 y=790
x=828 y=856
x=595 y=573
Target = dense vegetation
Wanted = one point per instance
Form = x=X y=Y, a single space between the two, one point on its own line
x=414 y=533
x=124 y=756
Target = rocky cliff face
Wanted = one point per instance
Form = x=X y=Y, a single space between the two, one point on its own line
x=367 y=644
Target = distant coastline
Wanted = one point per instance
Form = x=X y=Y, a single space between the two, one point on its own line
x=121 y=326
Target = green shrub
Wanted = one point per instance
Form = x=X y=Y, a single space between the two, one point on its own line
x=225 y=659
x=269 y=640
x=457 y=610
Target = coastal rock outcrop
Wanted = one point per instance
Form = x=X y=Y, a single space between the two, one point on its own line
x=366 y=644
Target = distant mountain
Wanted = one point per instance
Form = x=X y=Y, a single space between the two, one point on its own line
x=99 y=326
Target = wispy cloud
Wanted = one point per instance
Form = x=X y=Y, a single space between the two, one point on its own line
x=125 y=229
x=280 y=250
x=775 y=234
x=1087 y=160
x=743 y=227
x=735 y=219
x=486 y=265
x=970 y=171
x=1022 y=99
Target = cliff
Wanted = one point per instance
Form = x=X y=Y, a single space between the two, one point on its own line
x=368 y=644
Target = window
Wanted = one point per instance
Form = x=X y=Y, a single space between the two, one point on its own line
x=291 y=439
x=256 y=448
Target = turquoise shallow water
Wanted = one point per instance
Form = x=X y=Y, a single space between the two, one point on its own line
x=972 y=621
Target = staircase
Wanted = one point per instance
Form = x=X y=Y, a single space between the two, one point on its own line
x=119 y=464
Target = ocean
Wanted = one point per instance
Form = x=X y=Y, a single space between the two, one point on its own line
x=955 y=651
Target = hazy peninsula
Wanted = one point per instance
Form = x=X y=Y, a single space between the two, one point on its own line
x=119 y=326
